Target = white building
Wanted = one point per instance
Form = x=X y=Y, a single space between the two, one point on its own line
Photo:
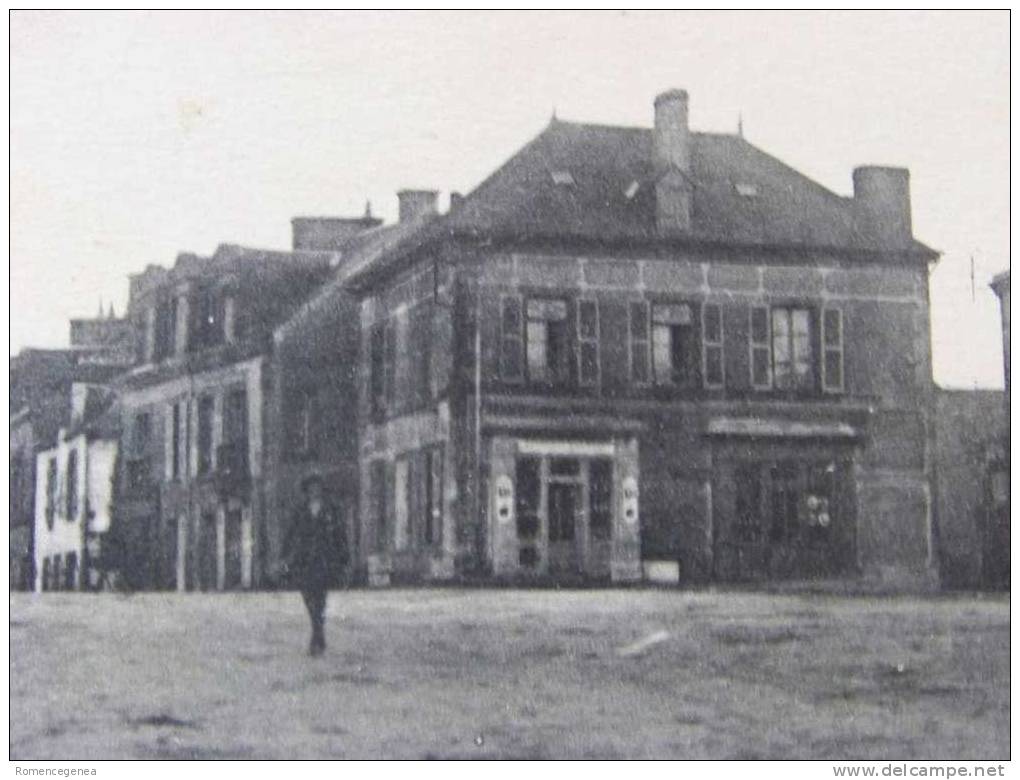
x=74 y=492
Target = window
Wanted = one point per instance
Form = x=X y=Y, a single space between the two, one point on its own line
x=166 y=327
x=207 y=324
x=433 y=498
x=546 y=338
x=713 y=369
x=175 y=433
x=832 y=349
x=302 y=434
x=233 y=456
x=205 y=430
x=71 y=496
x=761 y=350
x=51 y=492
x=673 y=344
x=748 y=502
x=390 y=363
x=46 y=574
x=57 y=570
x=639 y=342
x=792 y=349
x=71 y=571
x=421 y=354
x=377 y=371
x=511 y=341
x=600 y=498
x=526 y=508
x=141 y=434
x=401 y=505
x=378 y=488
x=588 y=361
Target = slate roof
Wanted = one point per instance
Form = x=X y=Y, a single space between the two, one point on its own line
x=605 y=163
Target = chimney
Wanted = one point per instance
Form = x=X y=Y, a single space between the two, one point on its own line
x=672 y=159
x=417 y=203
x=882 y=204
x=456 y=199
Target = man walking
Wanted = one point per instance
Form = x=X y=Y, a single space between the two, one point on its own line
x=315 y=554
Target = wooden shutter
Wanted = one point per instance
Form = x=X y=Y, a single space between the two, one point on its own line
x=713 y=371
x=833 y=379
x=588 y=361
x=759 y=346
x=639 y=340
x=511 y=342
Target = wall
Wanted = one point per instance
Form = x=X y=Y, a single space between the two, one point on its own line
x=887 y=366
x=969 y=426
x=67 y=534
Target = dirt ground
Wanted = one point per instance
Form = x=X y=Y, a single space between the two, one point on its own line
x=510 y=674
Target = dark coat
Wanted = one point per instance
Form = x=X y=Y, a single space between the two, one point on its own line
x=315 y=549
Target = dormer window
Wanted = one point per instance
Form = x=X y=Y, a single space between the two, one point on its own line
x=563 y=178
x=207 y=318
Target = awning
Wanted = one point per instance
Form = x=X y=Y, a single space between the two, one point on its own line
x=777 y=428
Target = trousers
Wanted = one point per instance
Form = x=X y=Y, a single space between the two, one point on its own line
x=315 y=603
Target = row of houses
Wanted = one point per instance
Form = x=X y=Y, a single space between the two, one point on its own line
x=629 y=352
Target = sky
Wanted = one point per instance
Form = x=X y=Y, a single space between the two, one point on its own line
x=137 y=135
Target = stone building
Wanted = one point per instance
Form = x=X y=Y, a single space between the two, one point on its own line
x=645 y=350
x=74 y=492
x=40 y=404
x=203 y=445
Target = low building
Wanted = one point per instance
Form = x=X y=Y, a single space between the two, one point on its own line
x=74 y=494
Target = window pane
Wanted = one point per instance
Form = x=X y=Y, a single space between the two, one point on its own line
x=537 y=359
x=639 y=321
x=639 y=361
x=672 y=314
x=589 y=363
x=801 y=322
x=511 y=316
x=760 y=366
x=713 y=366
x=556 y=350
x=527 y=499
x=564 y=467
x=759 y=325
x=713 y=323
x=833 y=328
x=833 y=369
x=588 y=320
x=662 y=353
x=600 y=496
x=551 y=310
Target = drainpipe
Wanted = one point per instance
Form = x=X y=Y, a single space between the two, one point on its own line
x=478 y=411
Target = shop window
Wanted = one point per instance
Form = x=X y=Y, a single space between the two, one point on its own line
x=528 y=496
x=588 y=360
x=564 y=467
x=673 y=348
x=546 y=340
x=600 y=499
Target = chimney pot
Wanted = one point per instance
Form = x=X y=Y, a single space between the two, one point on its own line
x=417 y=203
x=882 y=204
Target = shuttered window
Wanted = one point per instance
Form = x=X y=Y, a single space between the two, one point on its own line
x=377 y=369
x=832 y=349
x=712 y=345
x=390 y=364
x=511 y=343
x=760 y=348
x=588 y=362
x=639 y=342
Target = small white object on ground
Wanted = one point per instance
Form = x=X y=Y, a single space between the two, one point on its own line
x=638 y=647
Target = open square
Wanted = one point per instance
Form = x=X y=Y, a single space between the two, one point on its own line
x=452 y=673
